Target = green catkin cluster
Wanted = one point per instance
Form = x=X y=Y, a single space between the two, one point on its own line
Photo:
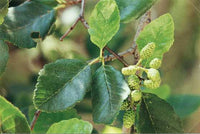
x=125 y=105
x=134 y=82
x=128 y=119
x=136 y=95
x=154 y=79
x=152 y=84
x=147 y=51
x=155 y=63
x=129 y=70
x=153 y=74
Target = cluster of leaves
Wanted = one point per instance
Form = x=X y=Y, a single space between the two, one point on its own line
x=64 y=83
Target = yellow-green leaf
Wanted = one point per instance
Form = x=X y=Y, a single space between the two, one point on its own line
x=159 y=31
x=3 y=9
x=104 y=22
x=11 y=118
x=71 y=126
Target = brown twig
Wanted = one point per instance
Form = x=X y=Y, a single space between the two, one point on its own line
x=117 y=56
x=73 y=2
x=36 y=115
x=80 y=18
x=145 y=20
x=85 y=24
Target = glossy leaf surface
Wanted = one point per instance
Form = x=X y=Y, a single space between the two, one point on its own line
x=108 y=92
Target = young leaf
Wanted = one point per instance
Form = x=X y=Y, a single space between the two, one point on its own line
x=159 y=31
x=163 y=91
x=45 y=120
x=11 y=119
x=61 y=85
x=104 y=22
x=4 y=56
x=25 y=22
x=71 y=126
x=157 y=116
x=108 y=92
x=3 y=9
x=133 y=9
x=184 y=105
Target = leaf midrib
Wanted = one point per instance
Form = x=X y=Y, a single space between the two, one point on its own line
x=55 y=93
x=105 y=77
x=150 y=115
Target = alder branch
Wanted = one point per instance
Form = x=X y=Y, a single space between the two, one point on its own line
x=80 y=18
x=144 y=20
x=36 y=116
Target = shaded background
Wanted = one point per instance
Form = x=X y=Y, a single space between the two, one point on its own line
x=180 y=69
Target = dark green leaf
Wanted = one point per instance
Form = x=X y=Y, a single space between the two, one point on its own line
x=3 y=9
x=11 y=118
x=184 y=105
x=159 y=31
x=133 y=9
x=104 y=22
x=52 y=3
x=25 y=19
x=45 y=120
x=3 y=56
x=61 y=85
x=108 y=92
x=157 y=116
x=162 y=92
x=71 y=126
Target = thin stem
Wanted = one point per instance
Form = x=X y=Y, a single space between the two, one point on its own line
x=80 y=18
x=138 y=63
x=82 y=8
x=117 y=56
x=101 y=56
x=94 y=61
x=70 y=29
x=36 y=116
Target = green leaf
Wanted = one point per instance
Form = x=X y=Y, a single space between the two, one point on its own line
x=108 y=92
x=62 y=84
x=104 y=22
x=4 y=56
x=163 y=91
x=25 y=22
x=133 y=9
x=52 y=3
x=11 y=118
x=157 y=116
x=184 y=105
x=3 y=9
x=159 y=31
x=45 y=120
x=71 y=126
